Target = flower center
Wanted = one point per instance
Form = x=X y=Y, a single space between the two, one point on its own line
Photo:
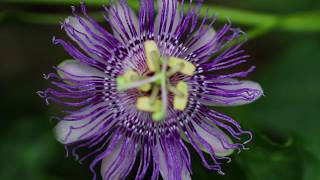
x=157 y=87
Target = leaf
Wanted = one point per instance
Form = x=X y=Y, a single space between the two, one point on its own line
x=292 y=103
x=28 y=148
x=275 y=164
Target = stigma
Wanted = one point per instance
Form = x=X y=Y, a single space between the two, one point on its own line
x=155 y=88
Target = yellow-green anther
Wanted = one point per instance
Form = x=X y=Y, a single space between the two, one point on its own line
x=187 y=69
x=175 y=91
x=148 y=105
x=145 y=87
x=152 y=55
x=131 y=75
x=175 y=69
x=180 y=102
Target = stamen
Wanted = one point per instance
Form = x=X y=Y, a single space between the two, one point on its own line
x=175 y=91
x=180 y=102
x=175 y=69
x=152 y=56
x=148 y=105
x=131 y=75
x=187 y=69
x=145 y=88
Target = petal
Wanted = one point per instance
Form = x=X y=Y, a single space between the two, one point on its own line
x=242 y=92
x=110 y=158
x=71 y=69
x=185 y=174
x=119 y=160
x=124 y=22
x=82 y=32
x=220 y=143
x=67 y=131
x=164 y=162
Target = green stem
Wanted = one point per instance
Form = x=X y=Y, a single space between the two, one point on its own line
x=237 y=16
x=261 y=22
x=301 y=22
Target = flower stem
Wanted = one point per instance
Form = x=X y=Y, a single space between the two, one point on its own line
x=261 y=22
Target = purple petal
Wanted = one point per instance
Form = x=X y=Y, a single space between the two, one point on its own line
x=79 y=126
x=118 y=162
x=166 y=159
x=220 y=143
x=234 y=93
x=71 y=69
x=109 y=159
x=86 y=36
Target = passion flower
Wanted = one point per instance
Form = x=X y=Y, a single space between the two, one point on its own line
x=138 y=94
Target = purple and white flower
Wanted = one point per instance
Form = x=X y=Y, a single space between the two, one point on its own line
x=138 y=94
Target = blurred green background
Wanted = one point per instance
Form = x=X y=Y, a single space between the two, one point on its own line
x=284 y=45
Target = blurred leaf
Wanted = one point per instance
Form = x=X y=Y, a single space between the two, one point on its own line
x=28 y=148
x=47 y=18
x=292 y=100
x=3 y=14
x=276 y=6
x=276 y=139
x=276 y=164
